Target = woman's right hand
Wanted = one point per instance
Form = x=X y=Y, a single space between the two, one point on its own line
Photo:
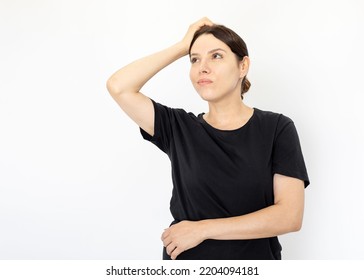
x=125 y=84
x=187 y=39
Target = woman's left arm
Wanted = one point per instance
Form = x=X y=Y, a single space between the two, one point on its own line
x=285 y=215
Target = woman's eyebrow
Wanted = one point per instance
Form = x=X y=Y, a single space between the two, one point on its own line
x=211 y=51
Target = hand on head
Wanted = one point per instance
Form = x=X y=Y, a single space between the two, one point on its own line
x=192 y=29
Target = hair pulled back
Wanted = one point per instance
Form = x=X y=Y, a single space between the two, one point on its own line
x=230 y=38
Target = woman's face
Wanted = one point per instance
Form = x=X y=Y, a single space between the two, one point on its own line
x=215 y=73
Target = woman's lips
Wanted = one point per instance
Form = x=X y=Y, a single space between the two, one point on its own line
x=203 y=82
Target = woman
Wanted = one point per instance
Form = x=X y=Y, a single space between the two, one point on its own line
x=238 y=172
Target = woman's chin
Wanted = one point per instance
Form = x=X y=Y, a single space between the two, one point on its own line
x=211 y=97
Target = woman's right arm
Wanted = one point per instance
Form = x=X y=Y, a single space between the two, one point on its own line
x=125 y=84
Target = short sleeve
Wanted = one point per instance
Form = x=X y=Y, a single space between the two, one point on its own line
x=162 y=127
x=287 y=154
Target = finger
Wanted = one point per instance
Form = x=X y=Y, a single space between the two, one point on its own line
x=175 y=253
x=165 y=234
x=202 y=22
x=167 y=241
x=171 y=248
x=205 y=21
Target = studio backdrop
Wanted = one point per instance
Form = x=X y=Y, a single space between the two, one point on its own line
x=77 y=181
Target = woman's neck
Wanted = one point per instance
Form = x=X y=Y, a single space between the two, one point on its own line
x=228 y=116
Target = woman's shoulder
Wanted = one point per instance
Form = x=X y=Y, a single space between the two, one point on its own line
x=272 y=122
x=174 y=114
x=270 y=116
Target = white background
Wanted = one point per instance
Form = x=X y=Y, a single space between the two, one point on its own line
x=76 y=179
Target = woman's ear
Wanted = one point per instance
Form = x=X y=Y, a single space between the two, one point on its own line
x=244 y=66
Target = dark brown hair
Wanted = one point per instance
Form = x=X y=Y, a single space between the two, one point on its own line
x=230 y=38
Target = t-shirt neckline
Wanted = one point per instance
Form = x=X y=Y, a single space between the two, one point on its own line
x=203 y=121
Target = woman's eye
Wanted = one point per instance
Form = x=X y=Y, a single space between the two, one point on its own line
x=193 y=59
x=217 y=55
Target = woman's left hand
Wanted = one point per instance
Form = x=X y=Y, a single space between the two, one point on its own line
x=181 y=237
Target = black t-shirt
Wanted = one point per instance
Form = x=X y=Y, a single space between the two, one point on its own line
x=225 y=173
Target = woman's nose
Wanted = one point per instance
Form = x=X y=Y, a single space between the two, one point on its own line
x=204 y=67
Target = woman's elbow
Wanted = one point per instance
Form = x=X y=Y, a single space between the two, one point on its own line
x=291 y=220
x=296 y=226
x=295 y=223
x=112 y=86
